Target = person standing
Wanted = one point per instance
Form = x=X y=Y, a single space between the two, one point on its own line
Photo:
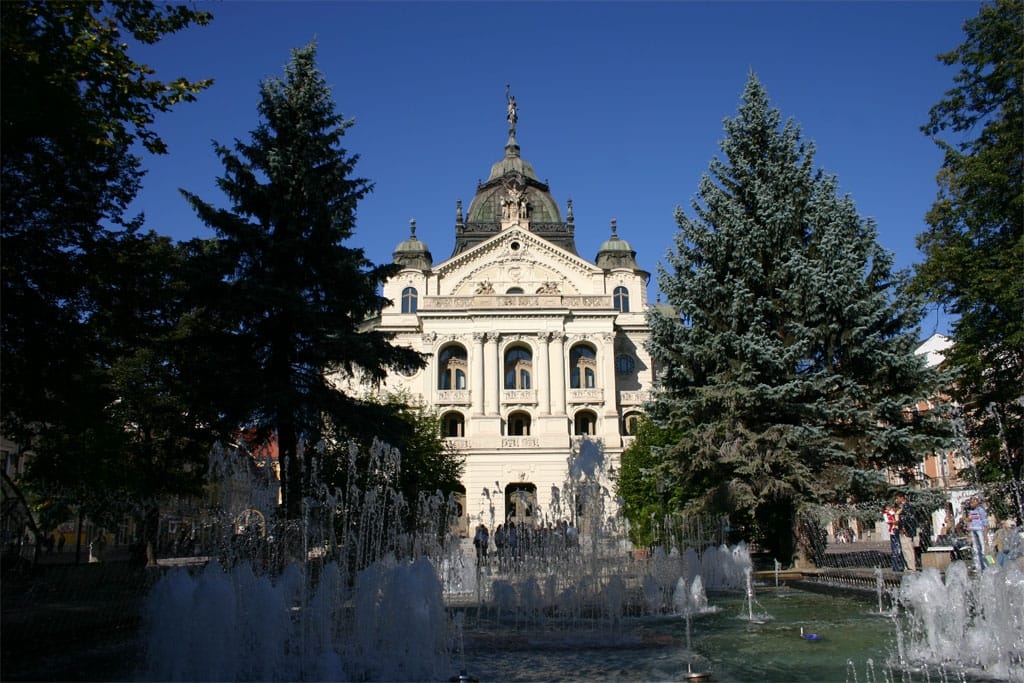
x=891 y=518
x=977 y=524
x=480 y=541
x=1007 y=543
x=907 y=528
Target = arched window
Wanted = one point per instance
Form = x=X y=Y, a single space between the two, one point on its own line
x=585 y=423
x=453 y=424
x=620 y=297
x=518 y=424
x=451 y=368
x=409 y=300
x=514 y=290
x=582 y=367
x=518 y=367
x=629 y=423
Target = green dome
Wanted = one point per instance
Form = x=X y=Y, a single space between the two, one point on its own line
x=616 y=253
x=412 y=253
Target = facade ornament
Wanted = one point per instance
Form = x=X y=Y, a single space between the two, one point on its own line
x=430 y=337
x=458 y=212
x=514 y=205
x=549 y=287
x=484 y=287
x=569 y=216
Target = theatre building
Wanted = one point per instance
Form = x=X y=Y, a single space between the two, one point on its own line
x=531 y=346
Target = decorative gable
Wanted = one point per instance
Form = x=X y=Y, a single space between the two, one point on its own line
x=516 y=260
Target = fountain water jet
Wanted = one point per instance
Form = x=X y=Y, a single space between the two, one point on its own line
x=595 y=613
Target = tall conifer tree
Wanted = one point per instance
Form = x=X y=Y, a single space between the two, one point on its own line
x=788 y=365
x=294 y=295
x=974 y=245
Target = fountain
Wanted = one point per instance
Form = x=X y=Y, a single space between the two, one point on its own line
x=385 y=606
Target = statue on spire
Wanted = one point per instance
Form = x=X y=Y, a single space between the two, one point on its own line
x=513 y=111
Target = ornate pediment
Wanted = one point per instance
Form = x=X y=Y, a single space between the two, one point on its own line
x=514 y=260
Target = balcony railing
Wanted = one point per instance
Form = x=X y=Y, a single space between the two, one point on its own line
x=634 y=397
x=457 y=442
x=586 y=396
x=453 y=397
x=533 y=301
x=520 y=442
x=524 y=396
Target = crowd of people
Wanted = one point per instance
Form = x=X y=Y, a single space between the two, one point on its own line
x=513 y=544
x=990 y=543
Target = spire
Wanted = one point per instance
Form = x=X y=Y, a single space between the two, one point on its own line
x=412 y=228
x=615 y=229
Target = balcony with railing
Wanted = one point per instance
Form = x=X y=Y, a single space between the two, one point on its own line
x=459 y=443
x=520 y=442
x=449 y=397
x=519 y=301
x=519 y=396
x=634 y=398
x=592 y=395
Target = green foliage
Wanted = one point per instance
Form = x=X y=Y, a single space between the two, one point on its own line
x=429 y=464
x=74 y=104
x=790 y=362
x=283 y=292
x=974 y=246
x=638 y=485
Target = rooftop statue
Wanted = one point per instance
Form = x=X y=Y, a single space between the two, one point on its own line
x=513 y=112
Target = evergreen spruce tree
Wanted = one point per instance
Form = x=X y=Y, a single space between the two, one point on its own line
x=293 y=295
x=789 y=364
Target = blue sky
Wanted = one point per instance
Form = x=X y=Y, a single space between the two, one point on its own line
x=620 y=105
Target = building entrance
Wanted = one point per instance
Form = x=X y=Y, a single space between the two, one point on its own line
x=520 y=503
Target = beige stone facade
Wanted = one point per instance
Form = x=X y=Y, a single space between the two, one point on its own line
x=531 y=347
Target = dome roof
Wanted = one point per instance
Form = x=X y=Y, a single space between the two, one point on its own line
x=616 y=253
x=412 y=253
x=513 y=195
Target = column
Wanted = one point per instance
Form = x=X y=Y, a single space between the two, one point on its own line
x=556 y=365
x=477 y=371
x=608 y=370
x=492 y=375
x=543 y=378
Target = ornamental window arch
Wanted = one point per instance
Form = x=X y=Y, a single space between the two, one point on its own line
x=518 y=366
x=410 y=300
x=518 y=423
x=452 y=367
x=453 y=424
x=584 y=423
x=582 y=366
x=620 y=299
